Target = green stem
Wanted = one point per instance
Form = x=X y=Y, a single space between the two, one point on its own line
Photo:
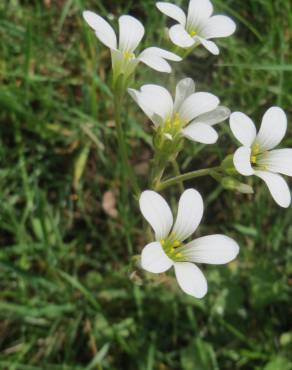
x=127 y=171
x=187 y=176
x=177 y=174
x=158 y=168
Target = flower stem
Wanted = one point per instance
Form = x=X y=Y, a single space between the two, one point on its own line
x=187 y=176
x=127 y=171
x=177 y=174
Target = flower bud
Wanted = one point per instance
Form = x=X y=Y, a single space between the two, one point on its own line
x=230 y=183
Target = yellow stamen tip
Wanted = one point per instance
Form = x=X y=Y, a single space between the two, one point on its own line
x=178 y=255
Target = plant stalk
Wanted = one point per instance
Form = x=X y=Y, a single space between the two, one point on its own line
x=187 y=176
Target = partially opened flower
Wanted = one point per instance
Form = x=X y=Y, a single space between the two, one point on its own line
x=131 y=32
x=255 y=157
x=199 y=26
x=191 y=114
x=169 y=248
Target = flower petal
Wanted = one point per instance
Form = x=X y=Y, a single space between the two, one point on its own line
x=218 y=26
x=198 y=12
x=273 y=128
x=153 y=50
x=172 y=11
x=242 y=128
x=154 y=259
x=155 y=62
x=196 y=104
x=277 y=161
x=217 y=115
x=201 y=133
x=102 y=28
x=191 y=279
x=213 y=249
x=131 y=32
x=179 y=36
x=189 y=214
x=158 y=99
x=184 y=89
x=155 y=118
x=157 y=212
x=241 y=161
x=277 y=186
x=209 y=45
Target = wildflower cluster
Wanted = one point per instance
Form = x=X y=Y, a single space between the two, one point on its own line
x=191 y=115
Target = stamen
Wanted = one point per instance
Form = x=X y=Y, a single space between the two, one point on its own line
x=128 y=55
x=193 y=33
x=253 y=159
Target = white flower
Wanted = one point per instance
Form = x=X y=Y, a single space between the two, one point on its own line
x=131 y=32
x=255 y=157
x=169 y=249
x=199 y=111
x=198 y=27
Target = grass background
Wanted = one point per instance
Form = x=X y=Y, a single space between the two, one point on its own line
x=71 y=297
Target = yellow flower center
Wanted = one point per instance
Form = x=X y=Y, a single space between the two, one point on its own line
x=193 y=33
x=128 y=55
x=170 y=247
x=173 y=125
x=255 y=150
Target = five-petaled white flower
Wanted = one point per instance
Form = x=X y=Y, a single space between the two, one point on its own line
x=169 y=249
x=131 y=32
x=255 y=157
x=198 y=27
x=191 y=114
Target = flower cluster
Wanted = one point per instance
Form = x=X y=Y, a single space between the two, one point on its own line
x=191 y=114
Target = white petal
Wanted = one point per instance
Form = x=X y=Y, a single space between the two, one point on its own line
x=155 y=62
x=273 y=128
x=278 y=161
x=157 y=212
x=277 y=186
x=154 y=259
x=172 y=11
x=153 y=50
x=131 y=32
x=189 y=214
x=209 y=45
x=136 y=95
x=201 y=133
x=213 y=249
x=197 y=104
x=217 y=115
x=180 y=37
x=184 y=89
x=241 y=161
x=199 y=11
x=191 y=279
x=158 y=99
x=218 y=26
x=243 y=128
x=102 y=28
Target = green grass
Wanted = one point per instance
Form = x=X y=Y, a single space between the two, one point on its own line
x=71 y=296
